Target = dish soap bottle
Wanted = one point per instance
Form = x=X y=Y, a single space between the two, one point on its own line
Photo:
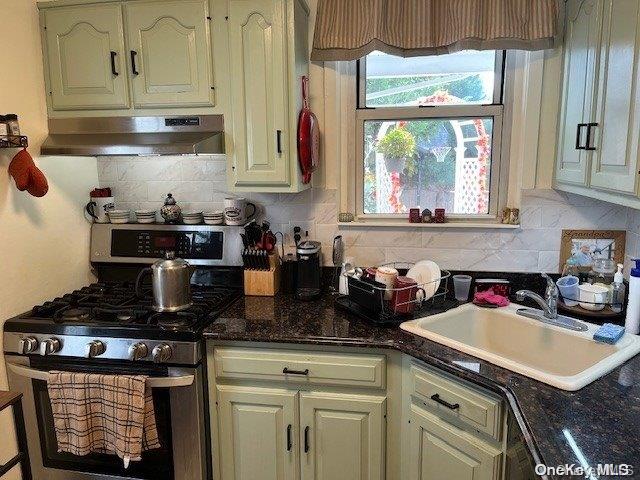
x=632 y=322
x=618 y=291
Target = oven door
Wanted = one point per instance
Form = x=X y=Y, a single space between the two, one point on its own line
x=179 y=409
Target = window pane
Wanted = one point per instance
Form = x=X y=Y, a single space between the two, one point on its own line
x=430 y=163
x=460 y=78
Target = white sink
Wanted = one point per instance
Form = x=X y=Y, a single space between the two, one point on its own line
x=557 y=356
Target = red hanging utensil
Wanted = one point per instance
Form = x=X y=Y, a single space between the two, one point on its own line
x=308 y=136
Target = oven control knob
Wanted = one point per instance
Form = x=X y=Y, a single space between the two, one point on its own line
x=28 y=345
x=138 y=350
x=52 y=345
x=161 y=353
x=95 y=349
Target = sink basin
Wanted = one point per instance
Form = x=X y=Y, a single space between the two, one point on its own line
x=563 y=358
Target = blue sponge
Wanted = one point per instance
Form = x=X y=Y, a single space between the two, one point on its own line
x=609 y=333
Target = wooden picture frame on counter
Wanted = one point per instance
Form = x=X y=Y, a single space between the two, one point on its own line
x=583 y=245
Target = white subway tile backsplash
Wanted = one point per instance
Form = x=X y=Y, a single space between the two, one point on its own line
x=199 y=183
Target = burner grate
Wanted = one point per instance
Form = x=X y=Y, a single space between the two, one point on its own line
x=116 y=304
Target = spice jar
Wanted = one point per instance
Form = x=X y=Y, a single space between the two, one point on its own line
x=13 y=128
x=4 y=130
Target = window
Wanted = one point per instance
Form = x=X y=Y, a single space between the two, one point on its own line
x=429 y=134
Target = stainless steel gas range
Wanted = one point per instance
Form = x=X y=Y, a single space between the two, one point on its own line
x=107 y=328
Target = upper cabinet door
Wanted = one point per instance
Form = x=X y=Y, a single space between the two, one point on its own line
x=615 y=160
x=257 y=433
x=582 y=39
x=440 y=450
x=259 y=92
x=85 y=57
x=170 y=53
x=342 y=436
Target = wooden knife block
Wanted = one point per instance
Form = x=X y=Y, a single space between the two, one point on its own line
x=263 y=283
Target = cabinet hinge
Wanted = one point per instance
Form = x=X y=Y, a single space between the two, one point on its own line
x=208 y=18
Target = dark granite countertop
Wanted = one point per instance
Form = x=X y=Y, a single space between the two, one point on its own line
x=598 y=424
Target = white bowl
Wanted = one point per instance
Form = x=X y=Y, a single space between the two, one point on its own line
x=191 y=214
x=217 y=213
x=192 y=221
x=145 y=213
x=593 y=297
x=213 y=221
x=146 y=219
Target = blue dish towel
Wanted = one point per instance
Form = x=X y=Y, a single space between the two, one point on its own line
x=608 y=333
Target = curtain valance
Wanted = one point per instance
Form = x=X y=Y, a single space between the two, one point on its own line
x=350 y=29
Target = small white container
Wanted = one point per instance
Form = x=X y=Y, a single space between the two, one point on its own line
x=593 y=297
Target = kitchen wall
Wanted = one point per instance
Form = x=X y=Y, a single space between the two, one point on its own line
x=44 y=240
x=198 y=182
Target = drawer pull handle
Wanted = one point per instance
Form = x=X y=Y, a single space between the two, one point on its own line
x=452 y=406
x=289 y=442
x=306 y=439
x=286 y=371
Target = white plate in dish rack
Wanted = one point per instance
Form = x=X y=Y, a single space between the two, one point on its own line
x=428 y=274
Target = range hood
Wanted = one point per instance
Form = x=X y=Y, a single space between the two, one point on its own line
x=170 y=135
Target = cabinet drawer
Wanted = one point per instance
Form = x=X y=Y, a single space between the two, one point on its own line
x=482 y=411
x=316 y=368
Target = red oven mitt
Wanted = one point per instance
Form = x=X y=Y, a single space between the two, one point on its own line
x=19 y=169
x=38 y=185
x=27 y=176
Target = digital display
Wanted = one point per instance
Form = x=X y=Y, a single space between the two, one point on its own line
x=164 y=242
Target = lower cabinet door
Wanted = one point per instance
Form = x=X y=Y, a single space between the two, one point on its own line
x=257 y=433
x=442 y=451
x=342 y=436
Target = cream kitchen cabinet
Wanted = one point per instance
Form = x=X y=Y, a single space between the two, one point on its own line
x=85 y=55
x=128 y=57
x=257 y=431
x=323 y=418
x=441 y=450
x=268 y=57
x=342 y=436
x=599 y=129
x=583 y=21
x=314 y=413
x=170 y=53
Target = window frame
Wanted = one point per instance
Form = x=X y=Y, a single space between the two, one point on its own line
x=498 y=180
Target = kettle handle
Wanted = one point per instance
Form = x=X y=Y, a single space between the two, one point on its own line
x=139 y=278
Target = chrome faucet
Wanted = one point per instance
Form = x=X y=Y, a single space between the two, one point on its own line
x=549 y=303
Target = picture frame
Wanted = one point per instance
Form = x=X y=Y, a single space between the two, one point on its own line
x=583 y=245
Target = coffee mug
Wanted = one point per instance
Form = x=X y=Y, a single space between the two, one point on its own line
x=98 y=207
x=235 y=211
x=405 y=295
x=370 y=272
x=387 y=276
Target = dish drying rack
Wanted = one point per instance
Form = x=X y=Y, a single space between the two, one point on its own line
x=366 y=297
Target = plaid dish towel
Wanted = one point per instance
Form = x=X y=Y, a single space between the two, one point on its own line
x=103 y=413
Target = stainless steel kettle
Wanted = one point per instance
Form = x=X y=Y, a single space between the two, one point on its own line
x=170 y=280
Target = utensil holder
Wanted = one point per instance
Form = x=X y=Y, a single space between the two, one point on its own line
x=263 y=283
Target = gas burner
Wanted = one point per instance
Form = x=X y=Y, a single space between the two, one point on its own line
x=72 y=314
x=173 y=320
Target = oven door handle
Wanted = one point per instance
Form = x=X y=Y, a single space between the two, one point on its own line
x=152 y=382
